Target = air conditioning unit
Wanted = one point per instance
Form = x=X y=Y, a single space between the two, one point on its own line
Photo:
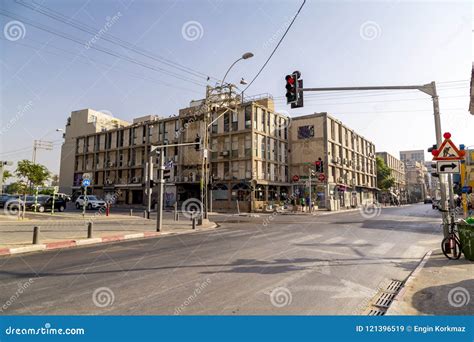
x=225 y=153
x=136 y=179
x=108 y=181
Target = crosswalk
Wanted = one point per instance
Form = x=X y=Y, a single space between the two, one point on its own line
x=339 y=245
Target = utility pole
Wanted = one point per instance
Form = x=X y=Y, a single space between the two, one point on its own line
x=429 y=89
x=161 y=181
x=149 y=180
x=41 y=144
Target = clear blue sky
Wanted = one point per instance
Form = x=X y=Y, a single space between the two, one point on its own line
x=332 y=43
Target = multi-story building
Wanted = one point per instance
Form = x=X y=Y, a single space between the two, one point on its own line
x=415 y=179
x=349 y=169
x=248 y=156
x=414 y=155
x=81 y=123
x=397 y=171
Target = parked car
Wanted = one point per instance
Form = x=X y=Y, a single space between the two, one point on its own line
x=92 y=202
x=64 y=196
x=4 y=198
x=45 y=202
x=428 y=200
x=16 y=202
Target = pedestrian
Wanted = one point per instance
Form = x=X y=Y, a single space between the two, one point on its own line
x=302 y=201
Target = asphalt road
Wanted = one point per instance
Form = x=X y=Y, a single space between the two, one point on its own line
x=278 y=264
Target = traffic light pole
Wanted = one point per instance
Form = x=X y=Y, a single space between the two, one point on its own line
x=429 y=89
x=149 y=177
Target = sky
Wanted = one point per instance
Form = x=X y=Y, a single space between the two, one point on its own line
x=44 y=75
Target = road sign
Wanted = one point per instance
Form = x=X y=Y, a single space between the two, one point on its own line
x=447 y=150
x=466 y=189
x=448 y=166
x=86 y=182
x=296 y=178
x=321 y=177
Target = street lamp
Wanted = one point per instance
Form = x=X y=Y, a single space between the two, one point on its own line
x=246 y=55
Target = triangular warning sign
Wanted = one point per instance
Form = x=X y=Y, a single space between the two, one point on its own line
x=448 y=151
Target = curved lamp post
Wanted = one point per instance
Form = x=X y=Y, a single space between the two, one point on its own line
x=246 y=55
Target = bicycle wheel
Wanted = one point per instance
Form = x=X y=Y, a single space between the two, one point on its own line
x=451 y=248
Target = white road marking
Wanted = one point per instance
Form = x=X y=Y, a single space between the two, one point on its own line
x=414 y=252
x=305 y=238
x=382 y=249
x=334 y=240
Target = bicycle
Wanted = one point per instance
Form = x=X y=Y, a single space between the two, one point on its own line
x=451 y=244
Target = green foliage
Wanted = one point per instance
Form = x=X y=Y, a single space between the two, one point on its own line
x=7 y=174
x=32 y=174
x=384 y=179
x=16 y=188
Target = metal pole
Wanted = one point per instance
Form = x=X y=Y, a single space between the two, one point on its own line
x=84 y=203
x=2 y=163
x=36 y=231
x=310 y=198
x=149 y=188
x=89 y=230
x=159 y=210
x=451 y=192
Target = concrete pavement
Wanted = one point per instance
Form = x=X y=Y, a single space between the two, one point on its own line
x=331 y=264
x=438 y=287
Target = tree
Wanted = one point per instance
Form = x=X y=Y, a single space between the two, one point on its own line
x=384 y=176
x=7 y=174
x=16 y=188
x=31 y=173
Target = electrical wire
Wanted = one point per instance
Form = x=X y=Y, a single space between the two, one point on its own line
x=95 y=47
x=276 y=47
x=39 y=8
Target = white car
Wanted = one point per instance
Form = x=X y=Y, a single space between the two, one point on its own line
x=91 y=202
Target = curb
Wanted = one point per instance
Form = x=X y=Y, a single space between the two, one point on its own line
x=4 y=252
x=393 y=308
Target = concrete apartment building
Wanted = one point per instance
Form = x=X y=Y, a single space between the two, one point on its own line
x=349 y=162
x=416 y=181
x=397 y=172
x=413 y=155
x=256 y=157
x=248 y=156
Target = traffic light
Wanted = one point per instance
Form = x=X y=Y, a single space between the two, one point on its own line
x=319 y=165
x=197 y=145
x=152 y=183
x=298 y=90
x=291 y=94
x=434 y=147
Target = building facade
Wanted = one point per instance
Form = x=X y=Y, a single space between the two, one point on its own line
x=248 y=156
x=257 y=159
x=414 y=155
x=349 y=170
x=397 y=170
x=415 y=181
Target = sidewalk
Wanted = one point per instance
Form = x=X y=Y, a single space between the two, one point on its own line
x=16 y=236
x=437 y=287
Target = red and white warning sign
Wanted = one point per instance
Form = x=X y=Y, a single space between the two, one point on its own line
x=447 y=150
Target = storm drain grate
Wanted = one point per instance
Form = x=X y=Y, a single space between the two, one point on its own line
x=382 y=300
x=376 y=312
x=394 y=286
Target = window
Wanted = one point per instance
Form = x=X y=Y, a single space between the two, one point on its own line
x=226 y=170
x=305 y=132
x=226 y=122
x=262 y=148
x=235 y=121
x=248 y=145
x=333 y=130
x=248 y=116
x=214 y=124
x=263 y=121
x=235 y=147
